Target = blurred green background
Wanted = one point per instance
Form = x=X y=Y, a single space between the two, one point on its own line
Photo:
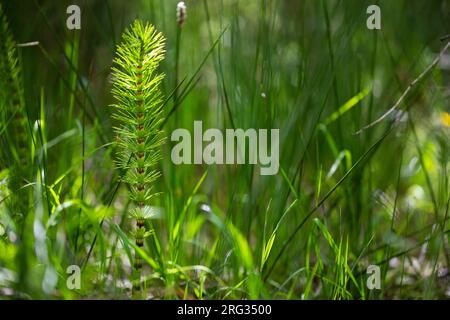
x=341 y=201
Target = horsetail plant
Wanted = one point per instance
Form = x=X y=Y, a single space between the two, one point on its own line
x=13 y=129
x=138 y=110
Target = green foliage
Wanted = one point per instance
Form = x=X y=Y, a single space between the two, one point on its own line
x=341 y=201
x=13 y=119
x=10 y=75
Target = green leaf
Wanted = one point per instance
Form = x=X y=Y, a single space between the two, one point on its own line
x=127 y=243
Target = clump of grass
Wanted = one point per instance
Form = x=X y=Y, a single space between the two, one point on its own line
x=138 y=111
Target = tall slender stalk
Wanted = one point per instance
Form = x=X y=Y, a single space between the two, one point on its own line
x=138 y=111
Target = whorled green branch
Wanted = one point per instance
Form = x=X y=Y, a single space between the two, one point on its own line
x=138 y=110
